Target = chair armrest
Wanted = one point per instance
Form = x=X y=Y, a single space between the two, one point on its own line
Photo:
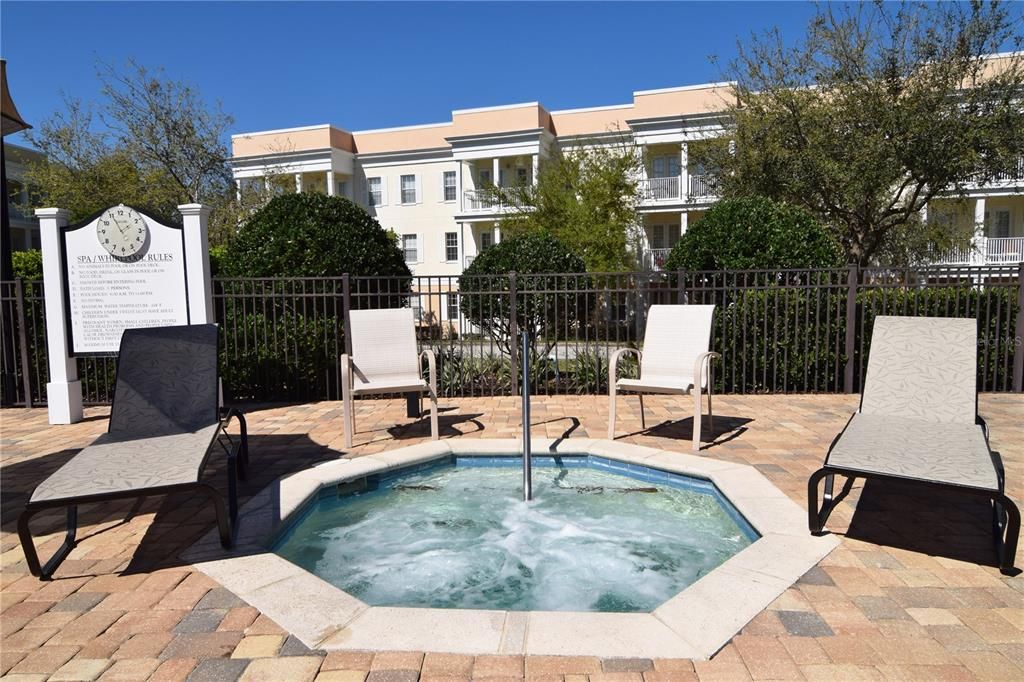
x=613 y=364
x=431 y=369
x=702 y=362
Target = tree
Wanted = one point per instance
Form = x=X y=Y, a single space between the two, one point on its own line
x=586 y=198
x=485 y=300
x=754 y=233
x=880 y=109
x=312 y=235
x=150 y=141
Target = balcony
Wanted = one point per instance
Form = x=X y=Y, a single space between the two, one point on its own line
x=986 y=251
x=660 y=189
x=484 y=201
x=655 y=259
x=704 y=186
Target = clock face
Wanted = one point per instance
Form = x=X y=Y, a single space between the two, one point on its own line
x=122 y=231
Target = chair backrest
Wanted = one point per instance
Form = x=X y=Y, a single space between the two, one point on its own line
x=166 y=380
x=923 y=368
x=675 y=336
x=383 y=344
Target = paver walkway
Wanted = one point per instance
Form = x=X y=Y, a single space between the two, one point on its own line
x=903 y=597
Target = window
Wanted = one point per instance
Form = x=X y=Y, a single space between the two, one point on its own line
x=341 y=189
x=408 y=189
x=375 y=191
x=657 y=236
x=453 y=307
x=484 y=174
x=522 y=177
x=1002 y=224
x=665 y=167
x=485 y=240
x=417 y=308
x=451 y=246
x=409 y=248
x=673 y=235
x=449 y=185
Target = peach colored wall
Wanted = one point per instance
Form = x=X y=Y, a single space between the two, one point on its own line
x=501 y=120
x=681 y=102
x=291 y=141
x=591 y=122
x=398 y=140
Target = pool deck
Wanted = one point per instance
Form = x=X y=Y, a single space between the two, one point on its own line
x=903 y=596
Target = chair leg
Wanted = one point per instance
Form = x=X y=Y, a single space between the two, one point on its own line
x=1006 y=544
x=434 y=430
x=243 y=449
x=697 y=418
x=711 y=416
x=643 y=419
x=28 y=546
x=611 y=411
x=816 y=518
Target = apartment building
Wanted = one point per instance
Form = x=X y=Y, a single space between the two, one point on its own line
x=424 y=181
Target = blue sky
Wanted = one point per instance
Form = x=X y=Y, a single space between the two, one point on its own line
x=363 y=65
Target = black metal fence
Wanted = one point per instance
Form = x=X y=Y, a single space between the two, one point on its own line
x=779 y=331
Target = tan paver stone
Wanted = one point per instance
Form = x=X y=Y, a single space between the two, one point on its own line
x=498 y=666
x=990 y=665
x=615 y=677
x=562 y=665
x=238 y=618
x=347 y=660
x=258 y=646
x=447 y=664
x=104 y=645
x=291 y=668
x=671 y=665
x=80 y=670
x=46 y=659
x=848 y=649
x=25 y=677
x=992 y=627
x=710 y=671
x=766 y=658
x=933 y=616
x=840 y=673
x=805 y=650
x=174 y=670
x=445 y=678
x=147 y=621
x=146 y=645
x=264 y=626
x=670 y=676
x=900 y=650
x=926 y=673
x=130 y=670
x=397 y=660
x=340 y=676
x=27 y=639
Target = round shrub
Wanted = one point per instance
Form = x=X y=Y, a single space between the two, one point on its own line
x=754 y=233
x=28 y=264
x=542 y=264
x=312 y=235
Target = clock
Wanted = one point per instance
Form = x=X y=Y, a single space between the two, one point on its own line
x=122 y=231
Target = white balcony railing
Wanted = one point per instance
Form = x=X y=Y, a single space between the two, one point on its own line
x=705 y=185
x=480 y=200
x=656 y=258
x=985 y=251
x=660 y=189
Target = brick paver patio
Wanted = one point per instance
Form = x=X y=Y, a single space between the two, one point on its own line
x=903 y=597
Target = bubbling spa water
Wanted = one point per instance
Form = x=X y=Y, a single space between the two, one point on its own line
x=460 y=536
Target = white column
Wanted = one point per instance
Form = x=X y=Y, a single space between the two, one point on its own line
x=197 y=262
x=497 y=233
x=980 y=240
x=459 y=187
x=536 y=166
x=330 y=183
x=495 y=171
x=64 y=390
x=684 y=176
x=238 y=190
x=266 y=183
x=298 y=183
x=468 y=242
x=684 y=220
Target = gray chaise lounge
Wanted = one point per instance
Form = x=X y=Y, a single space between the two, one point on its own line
x=163 y=425
x=918 y=421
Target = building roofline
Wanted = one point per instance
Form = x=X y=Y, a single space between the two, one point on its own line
x=682 y=88
x=395 y=129
x=287 y=130
x=499 y=107
x=607 y=107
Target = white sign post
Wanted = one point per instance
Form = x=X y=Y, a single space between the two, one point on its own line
x=120 y=270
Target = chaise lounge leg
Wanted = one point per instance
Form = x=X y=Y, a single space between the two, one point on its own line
x=1008 y=534
x=611 y=408
x=698 y=417
x=816 y=518
x=643 y=419
x=243 y=450
x=45 y=572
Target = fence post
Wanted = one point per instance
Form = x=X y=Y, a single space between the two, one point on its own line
x=851 y=326
x=346 y=305
x=513 y=330
x=1018 y=341
x=19 y=302
x=681 y=284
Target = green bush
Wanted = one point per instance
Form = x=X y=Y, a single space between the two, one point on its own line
x=28 y=264
x=754 y=233
x=312 y=235
x=484 y=290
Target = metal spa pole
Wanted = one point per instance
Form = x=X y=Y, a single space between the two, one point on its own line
x=527 y=470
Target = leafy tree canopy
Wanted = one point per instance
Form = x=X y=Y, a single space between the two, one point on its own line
x=483 y=288
x=586 y=198
x=28 y=264
x=881 y=108
x=312 y=235
x=754 y=233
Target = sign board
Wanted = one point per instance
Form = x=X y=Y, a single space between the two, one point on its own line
x=122 y=269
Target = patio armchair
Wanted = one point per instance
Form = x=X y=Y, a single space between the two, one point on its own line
x=675 y=360
x=164 y=424
x=918 y=422
x=384 y=360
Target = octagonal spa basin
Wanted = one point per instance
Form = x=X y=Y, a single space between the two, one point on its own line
x=624 y=550
x=456 y=533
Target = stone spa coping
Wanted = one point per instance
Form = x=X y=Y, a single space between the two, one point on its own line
x=695 y=623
